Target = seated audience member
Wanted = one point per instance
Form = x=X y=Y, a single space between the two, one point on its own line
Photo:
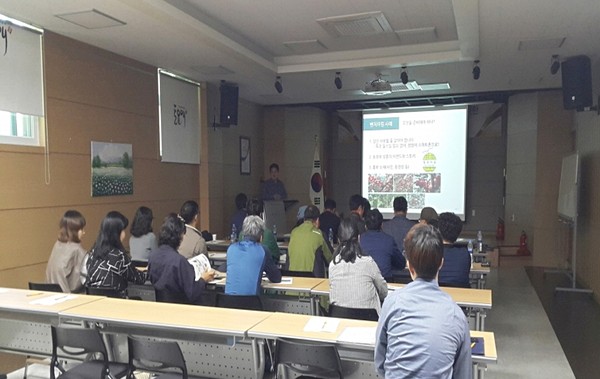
x=268 y=238
x=142 y=240
x=457 y=260
x=241 y=204
x=193 y=243
x=304 y=242
x=428 y=216
x=247 y=259
x=357 y=210
x=109 y=265
x=300 y=215
x=273 y=188
x=169 y=271
x=354 y=278
x=421 y=332
x=398 y=226
x=366 y=205
x=381 y=246
x=67 y=256
x=329 y=220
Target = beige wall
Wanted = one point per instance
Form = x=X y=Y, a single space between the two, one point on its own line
x=588 y=236
x=91 y=95
x=521 y=166
x=555 y=139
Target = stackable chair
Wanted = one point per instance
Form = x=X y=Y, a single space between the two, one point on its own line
x=308 y=359
x=251 y=302
x=368 y=314
x=50 y=287
x=77 y=341
x=99 y=291
x=161 y=357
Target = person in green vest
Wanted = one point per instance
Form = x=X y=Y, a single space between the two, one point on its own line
x=304 y=242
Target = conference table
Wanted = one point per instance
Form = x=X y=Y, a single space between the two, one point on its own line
x=27 y=314
x=474 y=299
x=216 y=342
x=354 y=339
x=217 y=252
x=213 y=340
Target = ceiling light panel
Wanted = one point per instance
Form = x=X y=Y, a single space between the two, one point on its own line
x=92 y=19
x=312 y=46
x=541 y=44
x=362 y=24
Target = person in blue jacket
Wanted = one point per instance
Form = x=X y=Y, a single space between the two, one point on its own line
x=247 y=259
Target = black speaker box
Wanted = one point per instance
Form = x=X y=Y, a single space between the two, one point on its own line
x=577 y=82
x=229 y=104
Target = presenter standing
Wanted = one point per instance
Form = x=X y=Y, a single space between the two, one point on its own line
x=273 y=188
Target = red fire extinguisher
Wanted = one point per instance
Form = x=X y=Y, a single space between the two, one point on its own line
x=500 y=229
x=523 y=250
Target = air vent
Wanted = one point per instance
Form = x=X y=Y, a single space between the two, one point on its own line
x=541 y=44
x=93 y=19
x=410 y=86
x=362 y=24
x=418 y=35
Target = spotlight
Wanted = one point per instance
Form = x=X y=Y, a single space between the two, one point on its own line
x=404 y=75
x=338 y=80
x=278 y=85
x=476 y=70
x=555 y=65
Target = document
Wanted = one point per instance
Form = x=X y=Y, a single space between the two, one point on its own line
x=363 y=335
x=321 y=324
x=53 y=300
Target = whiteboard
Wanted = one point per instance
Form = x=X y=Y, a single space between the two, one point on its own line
x=567 y=192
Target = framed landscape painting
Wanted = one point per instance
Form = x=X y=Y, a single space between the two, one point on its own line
x=112 y=169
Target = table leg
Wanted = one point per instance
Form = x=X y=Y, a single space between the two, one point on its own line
x=258 y=353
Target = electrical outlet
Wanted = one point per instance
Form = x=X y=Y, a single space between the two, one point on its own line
x=473 y=212
x=512 y=217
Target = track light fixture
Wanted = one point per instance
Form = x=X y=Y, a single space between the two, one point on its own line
x=404 y=75
x=555 y=65
x=278 y=84
x=476 y=69
x=338 y=80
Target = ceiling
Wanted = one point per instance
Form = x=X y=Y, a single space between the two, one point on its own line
x=306 y=42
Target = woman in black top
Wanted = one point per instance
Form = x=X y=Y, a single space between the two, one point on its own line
x=109 y=265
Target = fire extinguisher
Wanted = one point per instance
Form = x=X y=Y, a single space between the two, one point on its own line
x=523 y=250
x=500 y=229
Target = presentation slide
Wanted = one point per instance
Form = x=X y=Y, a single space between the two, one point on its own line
x=420 y=155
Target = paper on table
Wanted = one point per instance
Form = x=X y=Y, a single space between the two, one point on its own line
x=3 y=290
x=52 y=300
x=358 y=334
x=321 y=324
x=286 y=280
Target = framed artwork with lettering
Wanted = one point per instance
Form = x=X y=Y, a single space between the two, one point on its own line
x=244 y=155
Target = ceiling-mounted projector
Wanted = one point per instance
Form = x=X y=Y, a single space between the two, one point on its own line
x=378 y=87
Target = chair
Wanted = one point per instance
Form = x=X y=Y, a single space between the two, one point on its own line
x=76 y=341
x=368 y=314
x=308 y=359
x=102 y=291
x=156 y=356
x=251 y=302
x=165 y=296
x=50 y=287
x=303 y=274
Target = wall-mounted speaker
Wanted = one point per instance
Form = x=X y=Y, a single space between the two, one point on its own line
x=577 y=82
x=229 y=104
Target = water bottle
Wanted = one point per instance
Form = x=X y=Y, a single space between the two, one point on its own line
x=275 y=232
x=233 y=233
x=330 y=236
x=470 y=250
x=480 y=241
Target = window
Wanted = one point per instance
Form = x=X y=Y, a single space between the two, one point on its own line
x=20 y=129
x=22 y=97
